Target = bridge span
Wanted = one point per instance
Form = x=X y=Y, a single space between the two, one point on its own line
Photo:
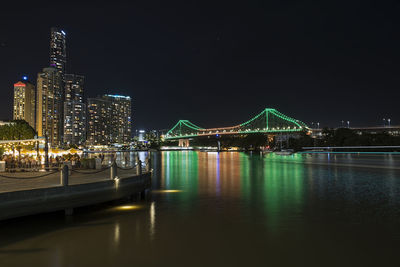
x=269 y=121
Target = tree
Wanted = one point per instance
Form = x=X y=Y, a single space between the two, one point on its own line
x=17 y=130
x=302 y=140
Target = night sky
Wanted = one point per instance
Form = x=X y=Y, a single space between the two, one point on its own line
x=219 y=64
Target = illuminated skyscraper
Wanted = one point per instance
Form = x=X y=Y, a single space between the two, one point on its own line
x=24 y=102
x=109 y=120
x=99 y=121
x=74 y=110
x=121 y=118
x=58 y=53
x=74 y=87
x=49 y=97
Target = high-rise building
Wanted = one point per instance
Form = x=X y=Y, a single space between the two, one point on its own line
x=74 y=110
x=24 y=102
x=74 y=123
x=109 y=120
x=99 y=121
x=58 y=51
x=74 y=87
x=121 y=131
x=49 y=107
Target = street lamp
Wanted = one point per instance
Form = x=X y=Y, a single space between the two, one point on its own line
x=388 y=122
x=318 y=125
x=348 y=124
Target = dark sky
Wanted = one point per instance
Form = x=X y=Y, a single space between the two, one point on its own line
x=219 y=63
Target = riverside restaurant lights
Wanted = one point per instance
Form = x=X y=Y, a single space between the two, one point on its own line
x=28 y=148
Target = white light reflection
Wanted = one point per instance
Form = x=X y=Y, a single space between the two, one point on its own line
x=116 y=234
x=218 y=185
x=152 y=220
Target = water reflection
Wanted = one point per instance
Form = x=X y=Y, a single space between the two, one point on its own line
x=116 y=234
x=152 y=220
x=230 y=209
x=128 y=207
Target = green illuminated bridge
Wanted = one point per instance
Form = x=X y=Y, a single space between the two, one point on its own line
x=269 y=121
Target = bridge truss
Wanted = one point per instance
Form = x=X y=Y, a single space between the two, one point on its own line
x=269 y=121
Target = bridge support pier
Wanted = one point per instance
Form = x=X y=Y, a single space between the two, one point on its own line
x=183 y=142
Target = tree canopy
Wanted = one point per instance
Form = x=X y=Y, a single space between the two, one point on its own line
x=17 y=130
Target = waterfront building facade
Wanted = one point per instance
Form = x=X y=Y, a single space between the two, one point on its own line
x=74 y=110
x=99 y=121
x=74 y=123
x=24 y=102
x=109 y=120
x=121 y=131
x=49 y=97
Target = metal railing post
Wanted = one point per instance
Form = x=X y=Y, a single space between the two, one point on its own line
x=64 y=175
x=113 y=170
x=148 y=164
x=139 y=168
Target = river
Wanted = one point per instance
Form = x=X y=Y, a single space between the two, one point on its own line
x=229 y=209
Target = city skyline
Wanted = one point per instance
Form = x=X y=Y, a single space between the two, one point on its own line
x=200 y=133
x=58 y=110
x=190 y=72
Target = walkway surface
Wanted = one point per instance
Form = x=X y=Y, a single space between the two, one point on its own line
x=26 y=181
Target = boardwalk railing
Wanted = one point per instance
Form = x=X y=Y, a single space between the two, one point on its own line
x=66 y=170
x=34 y=166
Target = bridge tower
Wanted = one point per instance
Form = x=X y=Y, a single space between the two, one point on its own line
x=183 y=143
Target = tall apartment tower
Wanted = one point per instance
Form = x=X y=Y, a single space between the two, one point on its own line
x=74 y=110
x=121 y=130
x=49 y=105
x=74 y=87
x=99 y=121
x=109 y=120
x=58 y=51
x=24 y=102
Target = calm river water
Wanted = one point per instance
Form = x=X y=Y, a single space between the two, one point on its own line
x=230 y=209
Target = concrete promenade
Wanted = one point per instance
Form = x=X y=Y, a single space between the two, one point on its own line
x=23 y=196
